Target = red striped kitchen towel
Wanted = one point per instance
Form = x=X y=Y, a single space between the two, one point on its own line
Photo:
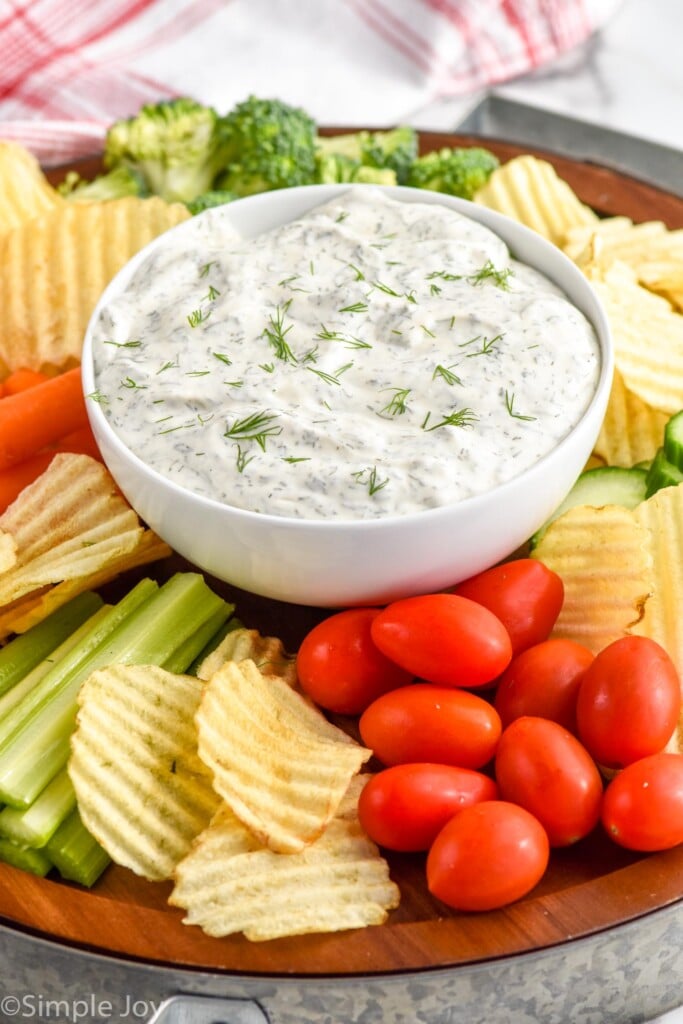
x=70 y=67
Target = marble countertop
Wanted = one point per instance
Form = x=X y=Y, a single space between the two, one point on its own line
x=628 y=77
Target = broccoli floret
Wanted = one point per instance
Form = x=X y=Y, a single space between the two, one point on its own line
x=121 y=181
x=176 y=145
x=333 y=169
x=458 y=172
x=395 y=149
x=214 y=197
x=269 y=145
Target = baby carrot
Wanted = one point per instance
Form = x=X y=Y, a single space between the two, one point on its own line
x=39 y=416
x=20 y=380
x=81 y=442
x=15 y=478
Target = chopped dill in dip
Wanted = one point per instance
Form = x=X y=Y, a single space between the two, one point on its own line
x=373 y=357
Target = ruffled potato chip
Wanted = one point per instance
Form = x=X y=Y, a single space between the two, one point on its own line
x=530 y=191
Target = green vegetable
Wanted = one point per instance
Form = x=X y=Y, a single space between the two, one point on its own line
x=604 y=485
x=662 y=473
x=36 y=862
x=177 y=146
x=207 y=200
x=35 y=825
x=461 y=171
x=24 y=652
x=115 y=184
x=332 y=169
x=394 y=150
x=268 y=144
x=148 y=626
x=673 y=440
x=75 y=853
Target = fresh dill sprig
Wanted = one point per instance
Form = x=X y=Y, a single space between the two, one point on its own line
x=370 y=478
x=360 y=276
x=172 y=364
x=427 y=331
x=222 y=357
x=98 y=396
x=458 y=418
x=489 y=273
x=386 y=289
x=267 y=367
x=486 y=346
x=446 y=373
x=294 y=458
x=125 y=344
x=355 y=307
x=242 y=460
x=197 y=373
x=509 y=405
x=206 y=267
x=198 y=316
x=396 y=406
x=128 y=382
x=330 y=378
x=485 y=273
x=276 y=333
x=212 y=293
x=256 y=427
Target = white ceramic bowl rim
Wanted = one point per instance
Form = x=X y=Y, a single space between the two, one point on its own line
x=307 y=197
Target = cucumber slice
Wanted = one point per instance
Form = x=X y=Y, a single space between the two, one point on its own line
x=662 y=473
x=604 y=485
x=673 y=440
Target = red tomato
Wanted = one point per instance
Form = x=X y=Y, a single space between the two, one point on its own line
x=629 y=701
x=544 y=681
x=643 y=804
x=541 y=766
x=487 y=856
x=524 y=594
x=443 y=638
x=431 y=723
x=405 y=807
x=340 y=667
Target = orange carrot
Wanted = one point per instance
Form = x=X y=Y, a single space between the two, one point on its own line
x=39 y=416
x=15 y=478
x=82 y=442
x=20 y=380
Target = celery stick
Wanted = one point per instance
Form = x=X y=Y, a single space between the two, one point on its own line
x=76 y=855
x=35 y=825
x=213 y=642
x=34 y=861
x=185 y=655
x=24 y=652
x=19 y=690
x=52 y=680
x=162 y=625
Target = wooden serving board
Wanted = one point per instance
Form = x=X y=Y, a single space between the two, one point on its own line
x=590 y=887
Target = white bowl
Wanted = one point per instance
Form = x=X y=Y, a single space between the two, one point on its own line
x=336 y=563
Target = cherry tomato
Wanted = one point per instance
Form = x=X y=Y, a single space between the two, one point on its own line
x=643 y=804
x=487 y=856
x=544 y=681
x=541 y=766
x=443 y=638
x=405 y=807
x=340 y=667
x=440 y=724
x=524 y=594
x=629 y=701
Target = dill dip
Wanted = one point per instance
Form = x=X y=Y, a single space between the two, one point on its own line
x=371 y=358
